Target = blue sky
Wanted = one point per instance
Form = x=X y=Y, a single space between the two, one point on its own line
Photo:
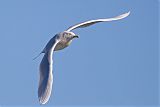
x=114 y=63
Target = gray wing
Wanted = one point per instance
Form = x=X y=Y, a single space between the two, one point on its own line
x=91 y=22
x=46 y=77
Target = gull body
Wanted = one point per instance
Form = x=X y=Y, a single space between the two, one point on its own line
x=59 y=42
x=65 y=39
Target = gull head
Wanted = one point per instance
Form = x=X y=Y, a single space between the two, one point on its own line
x=68 y=36
x=65 y=38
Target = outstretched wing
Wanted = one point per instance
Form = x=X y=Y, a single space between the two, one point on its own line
x=46 y=77
x=91 y=22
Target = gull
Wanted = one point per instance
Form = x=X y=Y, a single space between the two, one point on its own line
x=59 y=42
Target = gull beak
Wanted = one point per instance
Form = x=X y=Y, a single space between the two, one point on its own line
x=75 y=36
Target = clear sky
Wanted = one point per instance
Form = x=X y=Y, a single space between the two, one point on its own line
x=114 y=63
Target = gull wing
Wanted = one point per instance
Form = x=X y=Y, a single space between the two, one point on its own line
x=46 y=76
x=91 y=22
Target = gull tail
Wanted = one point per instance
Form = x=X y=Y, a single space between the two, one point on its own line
x=37 y=56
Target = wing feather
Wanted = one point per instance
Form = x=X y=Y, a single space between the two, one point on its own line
x=91 y=22
x=46 y=76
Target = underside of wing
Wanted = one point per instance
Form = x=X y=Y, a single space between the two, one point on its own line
x=46 y=77
x=91 y=22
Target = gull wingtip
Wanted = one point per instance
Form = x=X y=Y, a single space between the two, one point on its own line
x=127 y=14
x=124 y=15
x=42 y=101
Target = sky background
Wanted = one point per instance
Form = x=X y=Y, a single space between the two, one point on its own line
x=111 y=64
